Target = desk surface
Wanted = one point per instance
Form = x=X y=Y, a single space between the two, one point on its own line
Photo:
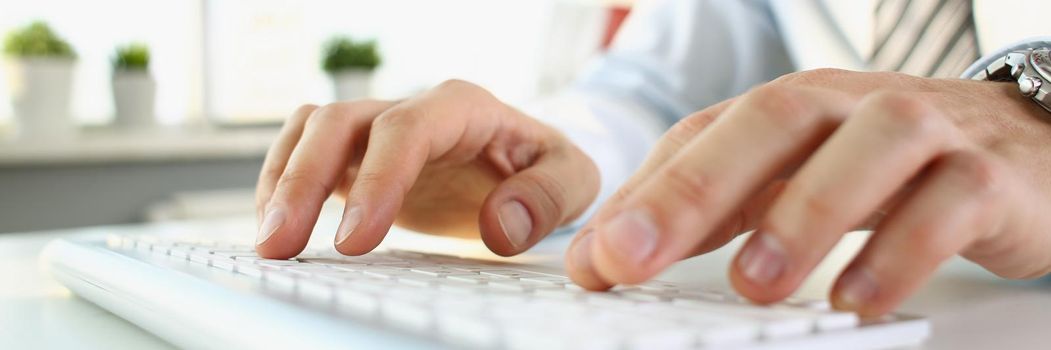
x=969 y=308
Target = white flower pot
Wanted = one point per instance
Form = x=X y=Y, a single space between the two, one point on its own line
x=134 y=94
x=40 y=94
x=351 y=84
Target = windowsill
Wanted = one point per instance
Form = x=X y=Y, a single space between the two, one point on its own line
x=107 y=145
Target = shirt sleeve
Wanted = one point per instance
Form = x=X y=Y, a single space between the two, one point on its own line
x=671 y=58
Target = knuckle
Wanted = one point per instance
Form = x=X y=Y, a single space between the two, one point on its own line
x=781 y=106
x=340 y=112
x=696 y=189
x=301 y=116
x=906 y=116
x=399 y=117
x=553 y=193
x=332 y=112
x=304 y=111
x=816 y=205
x=457 y=85
x=379 y=181
x=982 y=175
x=688 y=127
x=301 y=180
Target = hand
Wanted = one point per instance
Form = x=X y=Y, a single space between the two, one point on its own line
x=452 y=161
x=935 y=167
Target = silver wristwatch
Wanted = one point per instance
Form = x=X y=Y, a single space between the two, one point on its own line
x=1030 y=68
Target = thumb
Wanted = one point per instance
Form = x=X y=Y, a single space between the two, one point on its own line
x=527 y=206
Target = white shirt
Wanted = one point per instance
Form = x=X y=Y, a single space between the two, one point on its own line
x=675 y=57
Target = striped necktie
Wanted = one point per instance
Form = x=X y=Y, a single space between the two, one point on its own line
x=930 y=38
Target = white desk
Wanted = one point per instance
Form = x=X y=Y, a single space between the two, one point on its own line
x=969 y=308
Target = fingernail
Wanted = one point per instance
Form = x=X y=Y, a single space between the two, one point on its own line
x=858 y=287
x=763 y=259
x=515 y=222
x=582 y=253
x=350 y=221
x=632 y=234
x=271 y=222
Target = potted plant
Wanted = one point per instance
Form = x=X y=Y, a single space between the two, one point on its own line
x=133 y=87
x=40 y=71
x=350 y=64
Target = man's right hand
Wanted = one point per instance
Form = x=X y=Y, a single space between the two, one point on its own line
x=452 y=161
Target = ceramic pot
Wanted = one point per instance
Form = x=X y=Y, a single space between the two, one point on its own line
x=41 y=89
x=351 y=84
x=134 y=94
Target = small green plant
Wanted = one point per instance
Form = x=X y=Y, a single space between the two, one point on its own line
x=134 y=56
x=37 y=40
x=343 y=53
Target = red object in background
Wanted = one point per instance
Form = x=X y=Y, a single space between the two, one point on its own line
x=616 y=18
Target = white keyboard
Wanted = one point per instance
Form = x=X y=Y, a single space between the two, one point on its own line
x=480 y=304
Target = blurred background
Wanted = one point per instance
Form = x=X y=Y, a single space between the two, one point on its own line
x=117 y=111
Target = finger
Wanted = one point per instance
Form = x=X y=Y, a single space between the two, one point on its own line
x=402 y=140
x=578 y=256
x=695 y=191
x=960 y=200
x=277 y=157
x=884 y=144
x=527 y=206
x=314 y=167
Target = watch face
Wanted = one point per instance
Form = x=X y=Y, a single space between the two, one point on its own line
x=1040 y=59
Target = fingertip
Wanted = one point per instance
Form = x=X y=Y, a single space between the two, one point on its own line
x=276 y=239
x=352 y=250
x=624 y=248
x=507 y=226
x=491 y=232
x=281 y=245
x=857 y=290
x=761 y=271
x=513 y=219
x=364 y=226
x=578 y=265
x=359 y=242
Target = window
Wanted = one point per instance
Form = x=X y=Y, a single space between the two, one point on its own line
x=235 y=61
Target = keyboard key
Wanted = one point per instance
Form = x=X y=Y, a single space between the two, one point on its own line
x=510 y=273
x=551 y=280
x=418 y=281
x=317 y=292
x=471 y=278
x=467 y=330
x=252 y=270
x=516 y=285
x=200 y=257
x=435 y=271
x=774 y=323
x=179 y=252
x=223 y=263
x=276 y=263
x=407 y=314
x=561 y=336
x=357 y=303
x=280 y=280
